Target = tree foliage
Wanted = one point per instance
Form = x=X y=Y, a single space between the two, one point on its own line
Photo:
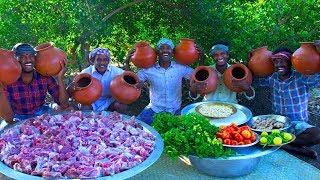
x=76 y=26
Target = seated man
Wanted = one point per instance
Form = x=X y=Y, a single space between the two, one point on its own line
x=290 y=96
x=26 y=97
x=165 y=80
x=220 y=54
x=104 y=72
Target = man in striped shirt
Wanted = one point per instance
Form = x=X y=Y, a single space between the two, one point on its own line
x=290 y=96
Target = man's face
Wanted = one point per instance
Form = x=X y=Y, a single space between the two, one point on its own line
x=281 y=66
x=26 y=61
x=101 y=62
x=221 y=57
x=165 y=53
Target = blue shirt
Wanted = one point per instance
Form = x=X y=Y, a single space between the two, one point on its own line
x=106 y=99
x=165 y=89
x=290 y=97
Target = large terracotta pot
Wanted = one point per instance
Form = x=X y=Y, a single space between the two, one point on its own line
x=306 y=59
x=237 y=72
x=186 y=52
x=90 y=89
x=204 y=74
x=260 y=62
x=144 y=55
x=10 y=69
x=48 y=59
x=123 y=88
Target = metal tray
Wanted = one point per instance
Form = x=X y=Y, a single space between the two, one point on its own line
x=197 y=109
x=242 y=115
x=279 y=118
x=154 y=156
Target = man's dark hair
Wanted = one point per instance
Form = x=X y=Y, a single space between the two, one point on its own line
x=21 y=48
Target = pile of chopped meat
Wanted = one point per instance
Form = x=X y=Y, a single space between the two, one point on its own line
x=75 y=145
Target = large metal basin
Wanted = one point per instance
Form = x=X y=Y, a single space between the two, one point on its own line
x=154 y=156
x=244 y=162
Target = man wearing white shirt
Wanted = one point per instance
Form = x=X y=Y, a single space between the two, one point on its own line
x=104 y=72
x=165 y=82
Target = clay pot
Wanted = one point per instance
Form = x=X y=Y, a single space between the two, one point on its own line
x=261 y=63
x=90 y=89
x=204 y=74
x=123 y=88
x=144 y=55
x=186 y=52
x=10 y=69
x=237 y=72
x=48 y=59
x=306 y=59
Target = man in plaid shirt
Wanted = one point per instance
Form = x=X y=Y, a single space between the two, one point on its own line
x=26 y=97
x=290 y=95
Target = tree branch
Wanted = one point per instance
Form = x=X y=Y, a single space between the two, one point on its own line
x=121 y=8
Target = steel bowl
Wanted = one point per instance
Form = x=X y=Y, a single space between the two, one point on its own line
x=154 y=156
x=244 y=162
x=241 y=116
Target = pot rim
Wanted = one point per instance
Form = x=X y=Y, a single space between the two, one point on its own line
x=80 y=76
x=306 y=42
x=44 y=46
x=199 y=68
x=187 y=39
x=240 y=66
x=131 y=74
x=142 y=44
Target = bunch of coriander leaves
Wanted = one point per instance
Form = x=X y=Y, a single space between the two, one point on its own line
x=190 y=134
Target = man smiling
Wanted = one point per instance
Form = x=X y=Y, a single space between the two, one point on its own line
x=104 y=72
x=290 y=96
x=165 y=82
x=26 y=97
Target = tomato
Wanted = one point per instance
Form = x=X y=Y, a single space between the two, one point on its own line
x=246 y=134
x=238 y=137
x=225 y=135
x=244 y=128
x=219 y=135
x=227 y=141
x=247 y=141
x=234 y=142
